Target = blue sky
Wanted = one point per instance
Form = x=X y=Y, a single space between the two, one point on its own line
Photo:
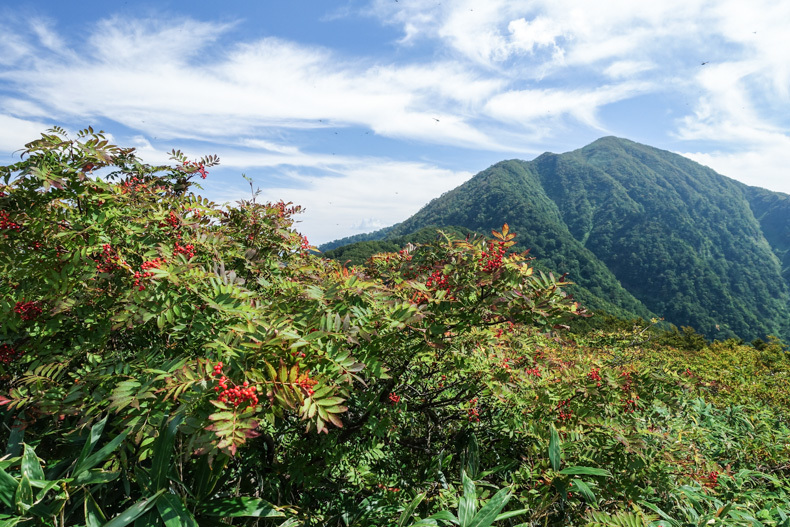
x=363 y=111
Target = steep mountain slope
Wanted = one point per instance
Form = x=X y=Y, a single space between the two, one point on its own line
x=640 y=229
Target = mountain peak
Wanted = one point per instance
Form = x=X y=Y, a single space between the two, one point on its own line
x=641 y=231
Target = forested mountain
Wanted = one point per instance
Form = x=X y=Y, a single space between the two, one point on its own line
x=640 y=230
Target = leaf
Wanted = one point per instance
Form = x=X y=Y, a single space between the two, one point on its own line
x=409 y=510
x=94 y=476
x=472 y=456
x=555 y=449
x=489 y=512
x=94 y=516
x=443 y=515
x=329 y=401
x=93 y=438
x=585 y=471
x=23 y=498
x=511 y=514
x=241 y=506
x=134 y=511
x=31 y=467
x=8 y=486
x=163 y=450
x=583 y=489
x=208 y=474
x=334 y=419
x=103 y=453
x=467 y=504
x=173 y=512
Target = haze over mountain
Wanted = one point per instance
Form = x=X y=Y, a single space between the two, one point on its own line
x=640 y=230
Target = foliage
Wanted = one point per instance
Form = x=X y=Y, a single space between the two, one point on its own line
x=167 y=361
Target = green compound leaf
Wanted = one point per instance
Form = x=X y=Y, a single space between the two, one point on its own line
x=555 y=448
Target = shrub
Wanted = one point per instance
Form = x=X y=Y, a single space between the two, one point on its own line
x=161 y=353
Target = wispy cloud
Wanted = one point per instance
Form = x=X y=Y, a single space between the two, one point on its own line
x=343 y=194
x=531 y=106
x=14 y=133
x=730 y=58
x=147 y=76
x=500 y=77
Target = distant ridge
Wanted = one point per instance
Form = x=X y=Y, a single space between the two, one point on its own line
x=642 y=231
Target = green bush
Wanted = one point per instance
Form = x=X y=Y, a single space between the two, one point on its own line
x=169 y=361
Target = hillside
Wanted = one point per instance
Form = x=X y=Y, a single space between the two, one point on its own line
x=167 y=361
x=640 y=230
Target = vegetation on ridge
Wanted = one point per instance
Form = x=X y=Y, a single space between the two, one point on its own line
x=165 y=361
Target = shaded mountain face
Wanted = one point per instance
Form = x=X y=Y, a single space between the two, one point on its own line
x=641 y=231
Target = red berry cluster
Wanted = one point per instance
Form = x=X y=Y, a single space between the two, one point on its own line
x=389 y=489
x=630 y=405
x=595 y=375
x=134 y=183
x=564 y=410
x=6 y=223
x=139 y=276
x=492 y=260
x=196 y=212
x=689 y=373
x=535 y=372
x=187 y=250
x=629 y=382
x=506 y=363
x=194 y=167
x=108 y=261
x=235 y=395
x=394 y=398
x=473 y=414
x=282 y=209
x=713 y=479
x=9 y=354
x=501 y=331
x=27 y=310
x=171 y=220
x=306 y=383
x=305 y=244
x=438 y=280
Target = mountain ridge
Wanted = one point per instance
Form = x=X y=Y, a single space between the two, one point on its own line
x=638 y=228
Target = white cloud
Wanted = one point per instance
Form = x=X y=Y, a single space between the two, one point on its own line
x=347 y=195
x=627 y=68
x=499 y=75
x=765 y=165
x=377 y=192
x=526 y=35
x=15 y=133
x=46 y=35
x=572 y=58
x=528 y=106
x=141 y=75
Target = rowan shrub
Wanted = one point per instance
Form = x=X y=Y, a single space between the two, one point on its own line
x=167 y=360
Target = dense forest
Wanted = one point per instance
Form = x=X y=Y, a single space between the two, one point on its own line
x=167 y=361
x=641 y=231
